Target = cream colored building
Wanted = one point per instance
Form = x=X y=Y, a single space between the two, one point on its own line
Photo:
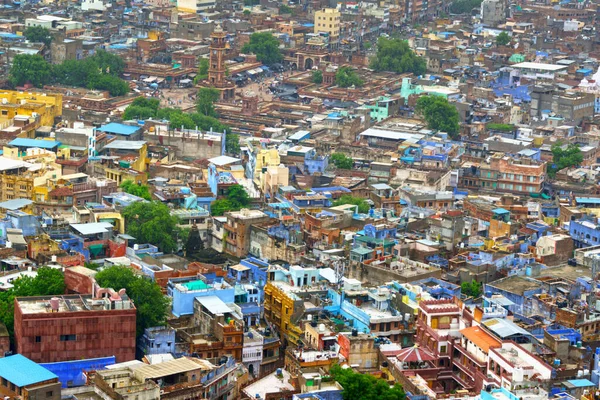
x=327 y=20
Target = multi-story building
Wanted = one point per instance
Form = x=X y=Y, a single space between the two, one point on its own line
x=24 y=379
x=43 y=106
x=438 y=324
x=511 y=365
x=237 y=228
x=359 y=350
x=327 y=20
x=65 y=328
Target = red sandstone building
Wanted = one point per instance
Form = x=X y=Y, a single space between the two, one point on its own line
x=74 y=327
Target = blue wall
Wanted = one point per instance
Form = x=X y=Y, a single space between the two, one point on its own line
x=72 y=371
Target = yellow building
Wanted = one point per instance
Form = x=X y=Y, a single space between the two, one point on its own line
x=20 y=174
x=279 y=308
x=327 y=20
x=44 y=106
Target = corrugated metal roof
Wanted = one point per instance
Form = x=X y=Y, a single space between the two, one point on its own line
x=42 y=144
x=22 y=371
x=119 y=129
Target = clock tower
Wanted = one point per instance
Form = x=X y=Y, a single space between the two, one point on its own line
x=216 y=68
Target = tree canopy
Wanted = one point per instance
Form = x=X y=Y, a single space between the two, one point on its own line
x=503 y=39
x=464 y=6
x=364 y=386
x=265 y=46
x=152 y=306
x=232 y=143
x=237 y=198
x=152 y=223
x=99 y=71
x=205 y=101
x=317 y=76
x=472 y=289
x=564 y=157
x=48 y=282
x=38 y=34
x=394 y=55
x=29 y=68
x=135 y=189
x=346 y=77
x=143 y=108
x=203 y=65
x=363 y=206
x=439 y=114
x=342 y=161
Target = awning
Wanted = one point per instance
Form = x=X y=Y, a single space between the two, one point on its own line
x=150 y=79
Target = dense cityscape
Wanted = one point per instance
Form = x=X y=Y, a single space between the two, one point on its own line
x=299 y=200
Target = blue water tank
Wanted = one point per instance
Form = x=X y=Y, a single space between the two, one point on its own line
x=186 y=190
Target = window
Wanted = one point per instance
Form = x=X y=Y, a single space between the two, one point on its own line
x=38 y=339
x=68 y=338
x=4 y=382
x=49 y=393
x=443 y=349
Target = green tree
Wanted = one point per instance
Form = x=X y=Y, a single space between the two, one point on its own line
x=247 y=12
x=342 y=161
x=472 y=289
x=265 y=46
x=439 y=114
x=285 y=9
x=363 y=206
x=205 y=101
x=500 y=127
x=152 y=223
x=221 y=206
x=464 y=6
x=112 y=84
x=502 y=39
x=28 y=68
x=202 y=69
x=48 y=282
x=135 y=189
x=564 y=157
x=346 y=77
x=38 y=34
x=317 y=76
x=238 y=196
x=152 y=307
x=364 y=386
x=394 y=55
x=135 y=112
x=108 y=63
x=232 y=143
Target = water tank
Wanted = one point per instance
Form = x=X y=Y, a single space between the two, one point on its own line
x=586 y=372
x=136 y=246
x=309 y=317
x=354 y=332
x=579 y=344
x=580 y=374
x=556 y=362
x=407 y=317
x=122 y=292
x=54 y=304
x=8 y=244
x=186 y=190
x=279 y=372
x=321 y=327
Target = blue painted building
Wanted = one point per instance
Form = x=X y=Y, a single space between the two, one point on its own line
x=157 y=340
x=585 y=232
x=183 y=291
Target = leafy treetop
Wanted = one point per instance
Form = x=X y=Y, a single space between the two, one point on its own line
x=265 y=46
x=342 y=161
x=394 y=55
x=364 y=386
x=439 y=114
x=151 y=305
